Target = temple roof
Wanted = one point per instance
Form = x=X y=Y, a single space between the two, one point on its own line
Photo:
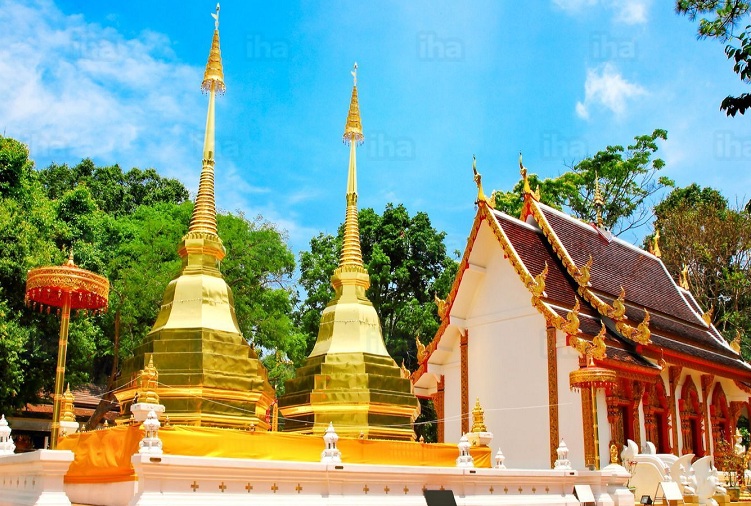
x=565 y=244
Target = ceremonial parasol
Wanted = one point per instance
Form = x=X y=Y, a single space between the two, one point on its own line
x=64 y=287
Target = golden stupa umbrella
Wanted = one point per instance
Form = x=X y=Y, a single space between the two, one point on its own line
x=64 y=287
x=588 y=379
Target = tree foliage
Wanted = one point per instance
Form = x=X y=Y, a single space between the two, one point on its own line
x=628 y=178
x=723 y=20
x=125 y=226
x=699 y=230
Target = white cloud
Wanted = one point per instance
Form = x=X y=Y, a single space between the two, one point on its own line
x=629 y=12
x=605 y=87
x=73 y=89
x=632 y=12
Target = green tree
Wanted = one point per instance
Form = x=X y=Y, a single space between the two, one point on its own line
x=724 y=20
x=407 y=263
x=699 y=230
x=628 y=178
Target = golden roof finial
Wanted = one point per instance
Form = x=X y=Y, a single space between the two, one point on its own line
x=353 y=127
x=441 y=305
x=421 y=351
x=68 y=409
x=213 y=76
x=481 y=197
x=523 y=172
x=683 y=279
x=478 y=418
x=598 y=202
x=70 y=258
x=735 y=344
x=707 y=316
x=655 y=250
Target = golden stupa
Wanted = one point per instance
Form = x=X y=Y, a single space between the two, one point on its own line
x=208 y=373
x=349 y=378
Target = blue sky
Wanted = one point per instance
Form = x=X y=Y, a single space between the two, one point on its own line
x=438 y=82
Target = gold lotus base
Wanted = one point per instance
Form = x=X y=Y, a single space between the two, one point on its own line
x=210 y=378
x=362 y=394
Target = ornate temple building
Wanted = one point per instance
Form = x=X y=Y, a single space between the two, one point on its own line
x=566 y=331
x=209 y=374
x=349 y=378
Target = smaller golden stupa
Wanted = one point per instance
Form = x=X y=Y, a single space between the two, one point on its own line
x=349 y=378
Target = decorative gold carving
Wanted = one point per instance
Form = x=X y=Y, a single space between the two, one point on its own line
x=481 y=197
x=478 y=418
x=464 y=365
x=641 y=334
x=618 y=310
x=149 y=381
x=421 y=353
x=655 y=246
x=440 y=305
x=588 y=424
x=538 y=287
x=439 y=402
x=68 y=411
x=525 y=180
x=590 y=350
x=735 y=344
x=683 y=280
x=405 y=372
x=584 y=273
x=613 y=454
x=707 y=316
x=571 y=327
x=599 y=203
x=552 y=393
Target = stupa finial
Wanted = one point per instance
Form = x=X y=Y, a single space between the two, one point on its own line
x=353 y=127
x=203 y=219
x=351 y=252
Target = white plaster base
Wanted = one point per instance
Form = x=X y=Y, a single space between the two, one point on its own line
x=171 y=479
x=118 y=493
x=34 y=478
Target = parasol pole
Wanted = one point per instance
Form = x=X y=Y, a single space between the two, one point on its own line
x=62 y=352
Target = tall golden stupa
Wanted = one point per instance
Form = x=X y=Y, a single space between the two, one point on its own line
x=349 y=378
x=208 y=373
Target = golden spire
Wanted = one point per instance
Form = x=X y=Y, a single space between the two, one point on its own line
x=598 y=202
x=203 y=219
x=351 y=256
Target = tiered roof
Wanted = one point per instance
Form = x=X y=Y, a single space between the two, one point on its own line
x=585 y=262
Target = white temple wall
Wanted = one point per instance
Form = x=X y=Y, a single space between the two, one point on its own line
x=507 y=358
x=452 y=410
